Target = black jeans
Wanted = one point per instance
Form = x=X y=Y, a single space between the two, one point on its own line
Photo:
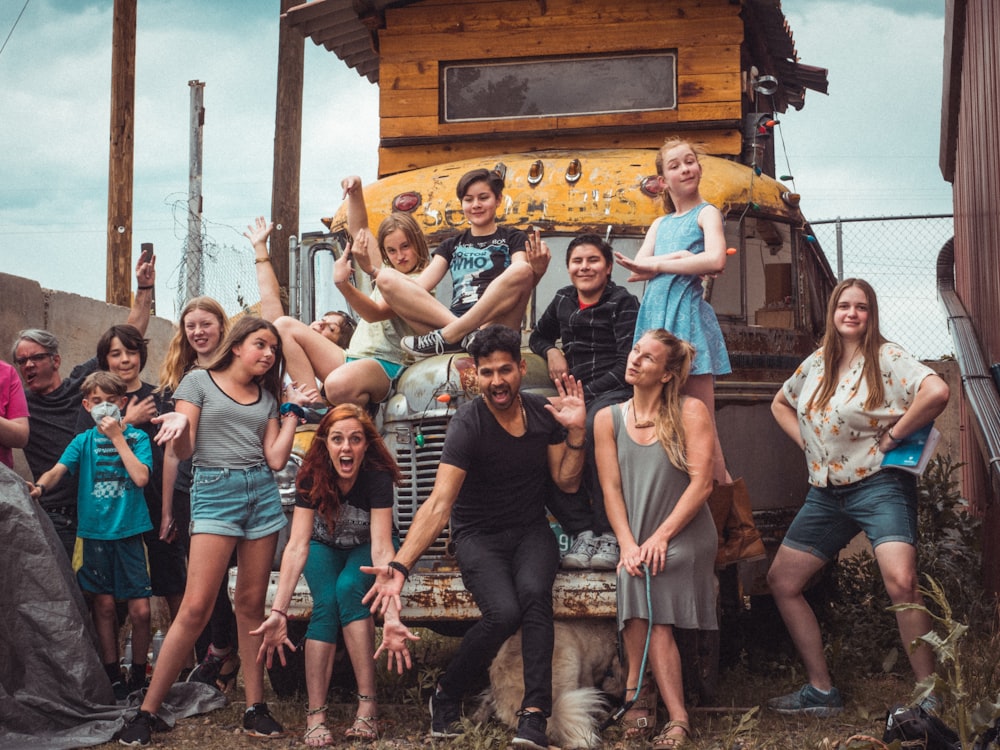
x=510 y=575
x=584 y=509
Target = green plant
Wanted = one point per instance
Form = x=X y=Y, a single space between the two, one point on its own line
x=860 y=624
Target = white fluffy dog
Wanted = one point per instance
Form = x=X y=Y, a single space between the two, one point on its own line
x=585 y=665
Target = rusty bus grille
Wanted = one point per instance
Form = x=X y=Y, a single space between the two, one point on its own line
x=418 y=464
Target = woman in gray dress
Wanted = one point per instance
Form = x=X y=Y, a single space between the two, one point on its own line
x=656 y=506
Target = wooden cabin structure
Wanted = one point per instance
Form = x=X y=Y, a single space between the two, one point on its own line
x=462 y=79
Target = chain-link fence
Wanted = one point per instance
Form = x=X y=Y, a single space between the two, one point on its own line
x=897 y=255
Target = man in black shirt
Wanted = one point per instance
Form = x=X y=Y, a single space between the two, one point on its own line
x=501 y=451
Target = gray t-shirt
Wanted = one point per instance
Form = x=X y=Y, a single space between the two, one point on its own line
x=230 y=434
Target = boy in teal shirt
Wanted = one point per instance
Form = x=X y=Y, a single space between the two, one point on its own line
x=113 y=462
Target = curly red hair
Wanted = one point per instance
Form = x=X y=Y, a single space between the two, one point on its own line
x=317 y=479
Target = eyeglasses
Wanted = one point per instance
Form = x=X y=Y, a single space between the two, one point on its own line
x=36 y=358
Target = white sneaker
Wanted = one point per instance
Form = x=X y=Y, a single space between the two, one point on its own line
x=580 y=552
x=606 y=554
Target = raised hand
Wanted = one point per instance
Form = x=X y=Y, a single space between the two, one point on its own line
x=258 y=232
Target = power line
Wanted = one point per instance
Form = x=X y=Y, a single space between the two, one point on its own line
x=11 y=32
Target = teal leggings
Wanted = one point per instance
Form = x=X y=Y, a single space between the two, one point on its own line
x=337 y=586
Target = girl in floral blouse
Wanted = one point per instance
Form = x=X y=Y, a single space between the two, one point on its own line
x=851 y=401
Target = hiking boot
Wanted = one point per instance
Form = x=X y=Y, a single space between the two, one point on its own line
x=137 y=730
x=580 y=552
x=808 y=701
x=258 y=722
x=446 y=716
x=218 y=671
x=428 y=345
x=531 y=731
x=606 y=552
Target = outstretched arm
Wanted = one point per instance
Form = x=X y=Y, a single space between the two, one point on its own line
x=357 y=211
x=267 y=282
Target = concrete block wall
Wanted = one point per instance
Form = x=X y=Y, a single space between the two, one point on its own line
x=76 y=321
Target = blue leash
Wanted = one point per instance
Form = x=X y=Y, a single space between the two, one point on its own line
x=629 y=702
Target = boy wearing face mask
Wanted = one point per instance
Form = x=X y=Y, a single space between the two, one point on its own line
x=113 y=462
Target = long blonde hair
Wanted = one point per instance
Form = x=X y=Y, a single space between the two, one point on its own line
x=667 y=420
x=833 y=348
x=181 y=356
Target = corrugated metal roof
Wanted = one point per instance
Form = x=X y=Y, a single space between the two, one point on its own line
x=348 y=29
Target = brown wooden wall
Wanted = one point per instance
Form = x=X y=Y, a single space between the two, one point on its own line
x=707 y=35
x=974 y=141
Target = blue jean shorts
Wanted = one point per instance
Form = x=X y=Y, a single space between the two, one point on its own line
x=883 y=505
x=236 y=502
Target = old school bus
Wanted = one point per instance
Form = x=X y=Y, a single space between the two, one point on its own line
x=570 y=100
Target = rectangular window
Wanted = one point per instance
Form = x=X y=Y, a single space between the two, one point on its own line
x=558 y=87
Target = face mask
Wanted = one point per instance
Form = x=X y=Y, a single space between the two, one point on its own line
x=105 y=409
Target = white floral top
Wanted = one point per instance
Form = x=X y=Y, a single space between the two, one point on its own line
x=841 y=440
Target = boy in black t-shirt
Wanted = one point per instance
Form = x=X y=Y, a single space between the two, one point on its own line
x=493 y=270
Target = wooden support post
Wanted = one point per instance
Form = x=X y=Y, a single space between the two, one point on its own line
x=119 y=252
x=287 y=144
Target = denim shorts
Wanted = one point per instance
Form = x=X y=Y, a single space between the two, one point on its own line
x=236 y=502
x=883 y=506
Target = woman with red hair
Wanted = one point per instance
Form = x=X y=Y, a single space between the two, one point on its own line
x=342 y=520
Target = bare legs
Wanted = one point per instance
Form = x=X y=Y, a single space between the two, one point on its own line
x=503 y=301
x=207 y=565
x=792 y=569
x=664 y=660
x=360 y=382
x=702 y=387
x=308 y=355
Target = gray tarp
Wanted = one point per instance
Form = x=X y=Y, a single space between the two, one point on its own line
x=53 y=689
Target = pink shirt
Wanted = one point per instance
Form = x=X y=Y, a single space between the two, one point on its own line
x=12 y=404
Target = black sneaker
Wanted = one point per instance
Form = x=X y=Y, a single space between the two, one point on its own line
x=136 y=678
x=531 y=731
x=446 y=716
x=120 y=689
x=428 y=345
x=258 y=722
x=137 y=730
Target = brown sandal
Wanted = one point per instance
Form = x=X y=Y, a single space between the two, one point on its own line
x=664 y=741
x=642 y=723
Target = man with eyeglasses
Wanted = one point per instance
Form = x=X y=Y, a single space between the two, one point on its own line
x=54 y=402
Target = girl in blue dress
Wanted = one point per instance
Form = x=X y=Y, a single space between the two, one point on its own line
x=681 y=247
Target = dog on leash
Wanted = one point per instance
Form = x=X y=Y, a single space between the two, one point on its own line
x=585 y=666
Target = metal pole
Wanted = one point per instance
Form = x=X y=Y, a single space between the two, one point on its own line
x=840 y=249
x=193 y=251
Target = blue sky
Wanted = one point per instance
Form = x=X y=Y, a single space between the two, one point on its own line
x=869 y=148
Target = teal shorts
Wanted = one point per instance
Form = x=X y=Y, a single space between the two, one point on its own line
x=115 y=566
x=391 y=369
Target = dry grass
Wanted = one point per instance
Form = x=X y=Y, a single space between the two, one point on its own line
x=404 y=722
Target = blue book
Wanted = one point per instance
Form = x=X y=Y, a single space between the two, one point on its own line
x=914 y=453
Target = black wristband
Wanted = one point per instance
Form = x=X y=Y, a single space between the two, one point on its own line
x=141 y=287
x=579 y=447
x=393 y=565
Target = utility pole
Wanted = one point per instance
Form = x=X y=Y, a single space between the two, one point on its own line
x=118 y=289
x=193 y=281
x=287 y=143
